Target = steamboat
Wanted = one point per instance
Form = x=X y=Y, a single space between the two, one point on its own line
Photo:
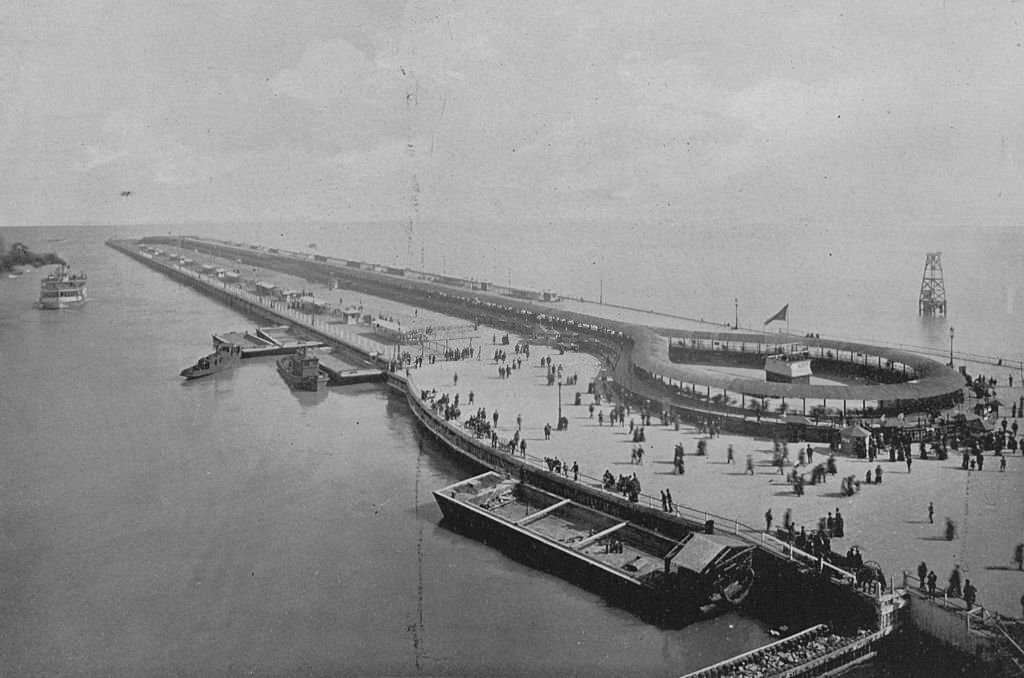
x=225 y=357
x=62 y=289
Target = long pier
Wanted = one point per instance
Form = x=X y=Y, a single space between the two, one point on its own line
x=640 y=355
x=375 y=354
x=788 y=575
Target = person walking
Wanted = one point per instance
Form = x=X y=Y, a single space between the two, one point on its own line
x=768 y=520
x=970 y=594
x=922 y=575
x=750 y=465
x=932 y=579
x=1018 y=556
x=954 y=583
x=909 y=459
x=931 y=512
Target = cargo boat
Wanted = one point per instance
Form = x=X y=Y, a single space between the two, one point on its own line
x=225 y=357
x=302 y=370
x=62 y=289
x=700 y=574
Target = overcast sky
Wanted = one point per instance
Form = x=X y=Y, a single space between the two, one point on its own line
x=243 y=111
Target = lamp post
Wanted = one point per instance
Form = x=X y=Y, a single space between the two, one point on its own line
x=951 y=346
x=559 y=397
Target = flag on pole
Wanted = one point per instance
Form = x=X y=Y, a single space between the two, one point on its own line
x=781 y=315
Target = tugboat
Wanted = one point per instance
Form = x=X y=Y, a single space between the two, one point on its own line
x=302 y=370
x=226 y=356
x=62 y=289
x=700 y=575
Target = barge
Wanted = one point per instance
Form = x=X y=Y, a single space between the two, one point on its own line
x=274 y=340
x=697 y=575
x=816 y=651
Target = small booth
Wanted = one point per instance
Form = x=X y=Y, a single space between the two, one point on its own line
x=796 y=427
x=350 y=315
x=854 y=441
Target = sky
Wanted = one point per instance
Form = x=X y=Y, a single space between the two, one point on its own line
x=838 y=114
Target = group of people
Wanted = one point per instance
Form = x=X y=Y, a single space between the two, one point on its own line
x=817 y=542
x=667 y=505
x=556 y=465
x=927 y=580
x=628 y=486
x=711 y=426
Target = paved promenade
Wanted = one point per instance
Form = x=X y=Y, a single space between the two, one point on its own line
x=889 y=522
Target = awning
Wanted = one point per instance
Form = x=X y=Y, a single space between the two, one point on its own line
x=855 y=432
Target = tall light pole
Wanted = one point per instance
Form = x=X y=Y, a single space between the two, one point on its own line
x=736 y=302
x=559 y=397
x=951 y=346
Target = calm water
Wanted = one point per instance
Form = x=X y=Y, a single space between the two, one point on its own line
x=153 y=527
x=229 y=526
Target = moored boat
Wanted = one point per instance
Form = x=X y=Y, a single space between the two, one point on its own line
x=302 y=370
x=699 y=574
x=62 y=289
x=225 y=357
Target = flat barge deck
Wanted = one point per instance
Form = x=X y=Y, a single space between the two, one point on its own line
x=696 y=575
x=266 y=341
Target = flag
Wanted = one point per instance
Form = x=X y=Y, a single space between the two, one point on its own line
x=781 y=315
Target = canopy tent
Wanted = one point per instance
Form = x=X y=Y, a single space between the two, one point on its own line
x=854 y=440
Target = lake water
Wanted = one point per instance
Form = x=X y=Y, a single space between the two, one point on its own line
x=229 y=526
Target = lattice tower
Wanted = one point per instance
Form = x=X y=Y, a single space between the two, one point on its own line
x=933 y=291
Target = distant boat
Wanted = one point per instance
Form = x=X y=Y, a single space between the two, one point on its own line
x=225 y=357
x=62 y=289
x=302 y=370
x=16 y=274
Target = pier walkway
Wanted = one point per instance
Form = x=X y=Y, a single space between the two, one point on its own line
x=480 y=376
x=887 y=522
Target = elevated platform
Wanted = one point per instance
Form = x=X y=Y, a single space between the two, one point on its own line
x=266 y=341
x=340 y=373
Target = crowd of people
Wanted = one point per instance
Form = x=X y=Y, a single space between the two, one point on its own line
x=890 y=442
